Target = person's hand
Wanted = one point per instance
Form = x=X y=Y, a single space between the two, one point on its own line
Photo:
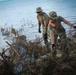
x=39 y=30
x=74 y=27
x=45 y=36
x=53 y=46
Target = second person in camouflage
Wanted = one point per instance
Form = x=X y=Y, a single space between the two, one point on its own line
x=56 y=29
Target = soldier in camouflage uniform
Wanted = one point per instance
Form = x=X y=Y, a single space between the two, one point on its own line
x=56 y=29
x=43 y=20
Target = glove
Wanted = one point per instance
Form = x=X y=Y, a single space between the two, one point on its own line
x=74 y=27
x=39 y=30
x=53 y=50
x=45 y=36
x=53 y=46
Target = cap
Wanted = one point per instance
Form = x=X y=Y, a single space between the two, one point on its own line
x=53 y=15
x=38 y=9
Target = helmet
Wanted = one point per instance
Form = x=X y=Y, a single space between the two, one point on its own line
x=38 y=9
x=53 y=15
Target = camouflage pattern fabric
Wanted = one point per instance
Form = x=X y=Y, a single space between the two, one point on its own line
x=42 y=19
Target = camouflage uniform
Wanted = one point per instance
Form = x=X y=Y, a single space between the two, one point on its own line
x=41 y=19
x=59 y=32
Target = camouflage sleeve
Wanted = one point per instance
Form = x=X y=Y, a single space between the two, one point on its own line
x=46 y=18
x=61 y=18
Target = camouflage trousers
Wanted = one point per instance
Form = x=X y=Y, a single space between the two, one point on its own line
x=45 y=40
x=62 y=41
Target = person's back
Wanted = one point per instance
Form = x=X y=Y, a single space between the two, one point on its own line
x=42 y=18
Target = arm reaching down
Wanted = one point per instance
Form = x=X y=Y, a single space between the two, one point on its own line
x=52 y=37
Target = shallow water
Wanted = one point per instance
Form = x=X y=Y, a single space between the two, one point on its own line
x=22 y=12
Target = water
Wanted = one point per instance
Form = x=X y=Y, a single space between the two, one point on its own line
x=20 y=12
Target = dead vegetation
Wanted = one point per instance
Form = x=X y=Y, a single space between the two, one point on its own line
x=32 y=58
